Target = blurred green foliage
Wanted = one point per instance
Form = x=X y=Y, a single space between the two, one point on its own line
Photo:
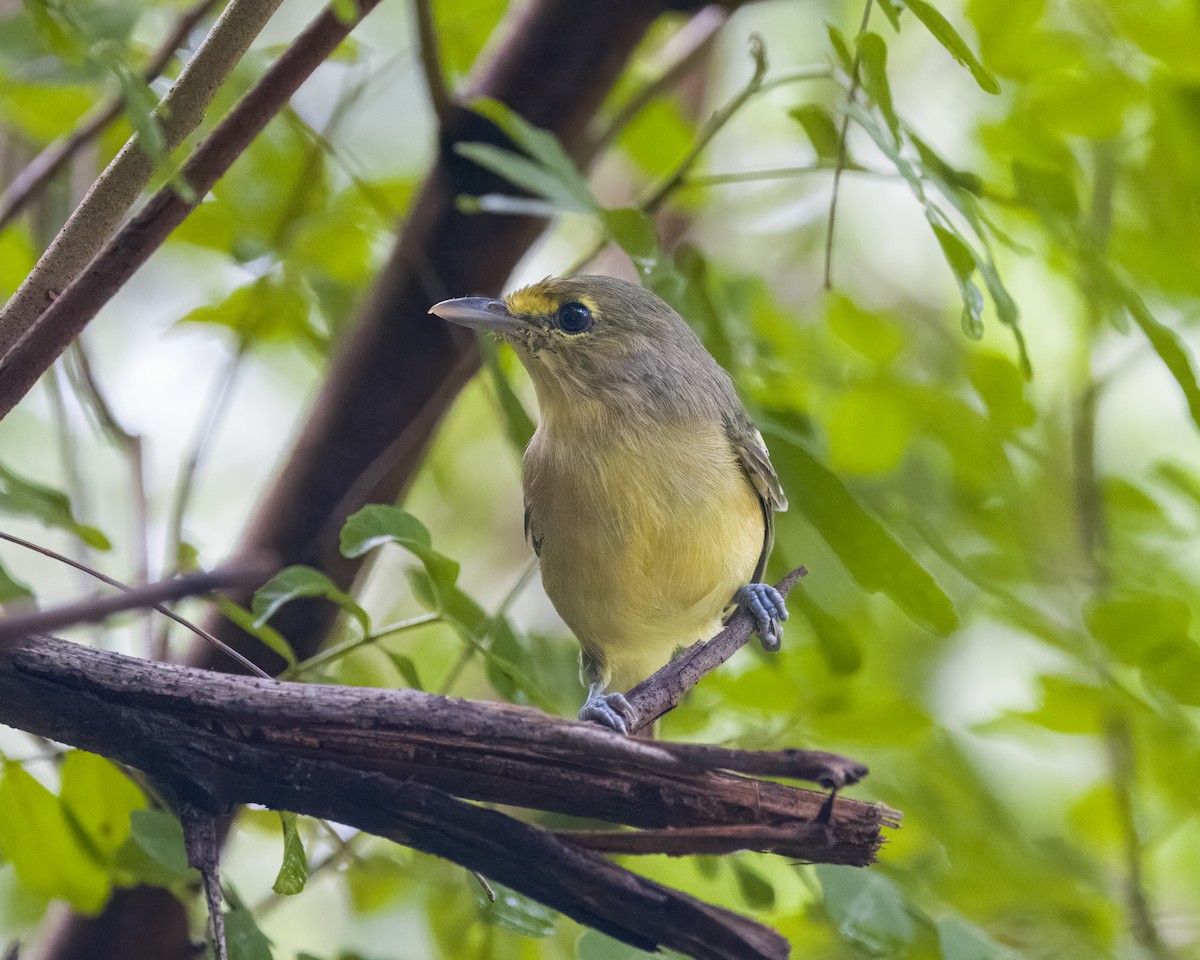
x=1000 y=526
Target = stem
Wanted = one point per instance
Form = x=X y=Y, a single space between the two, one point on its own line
x=342 y=649
x=431 y=62
x=87 y=386
x=777 y=173
x=841 y=157
x=1094 y=537
x=501 y=612
x=68 y=454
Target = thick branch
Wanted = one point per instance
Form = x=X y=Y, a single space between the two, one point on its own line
x=385 y=761
x=115 y=191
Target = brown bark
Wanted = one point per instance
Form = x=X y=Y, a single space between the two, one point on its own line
x=388 y=761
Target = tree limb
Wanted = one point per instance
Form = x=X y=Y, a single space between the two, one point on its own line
x=387 y=761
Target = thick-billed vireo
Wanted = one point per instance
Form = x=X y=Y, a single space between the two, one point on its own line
x=649 y=494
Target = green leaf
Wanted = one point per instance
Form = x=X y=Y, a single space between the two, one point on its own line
x=756 y=889
x=270 y=309
x=547 y=171
x=948 y=37
x=519 y=913
x=868 y=909
x=11 y=590
x=873 y=52
x=374 y=881
x=960 y=940
x=517 y=423
x=159 y=835
x=892 y=11
x=100 y=799
x=407 y=668
x=874 y=558
x=841 y=49
x=44 y=847
x=298 y=581
x=1067 y=706
x=1047 y=190
x=246 y=620
x=1133 y=625
x=1170 y=349
x=243 y=937
x=633 y=231
x=1175 y=669
x=837 y=641
x=20 y=497
x=377 y=524
x=962 y=262
x=869 y=432
x=821 y=130
x=594 y=945
x=293 y=871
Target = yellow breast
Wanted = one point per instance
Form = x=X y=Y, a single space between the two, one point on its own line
x=644 y=535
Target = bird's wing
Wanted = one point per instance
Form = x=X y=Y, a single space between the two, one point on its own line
x=535 y=541
x=756 y=461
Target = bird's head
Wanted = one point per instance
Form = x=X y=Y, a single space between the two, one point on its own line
x=585 y=335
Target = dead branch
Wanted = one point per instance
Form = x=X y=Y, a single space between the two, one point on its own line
x=388 y=762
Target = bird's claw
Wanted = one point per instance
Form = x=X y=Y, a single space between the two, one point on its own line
x=765 y=604
x=610 y=710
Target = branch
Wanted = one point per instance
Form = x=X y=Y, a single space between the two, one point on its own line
x=116 y=189
x=388 y=761
x=431 y=62
x=662 y=691
x=49 y=334
x=30 y=182
x=248 y=571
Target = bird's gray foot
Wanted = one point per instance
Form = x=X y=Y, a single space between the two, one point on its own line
x=765 y=604
x=610 y=710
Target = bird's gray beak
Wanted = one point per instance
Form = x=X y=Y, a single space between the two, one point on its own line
x=481 y=313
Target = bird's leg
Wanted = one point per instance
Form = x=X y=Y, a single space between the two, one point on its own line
x=610 y=710
x=765 y=604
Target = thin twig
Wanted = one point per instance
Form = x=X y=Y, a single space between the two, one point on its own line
x=87 y=386
x=333 y=654
x=662 y=691
x=470 y=650
x=776 y=173
x=246 y=575
x=204 y=855
x=30 y=182
x=431 y=62
x=842 y=154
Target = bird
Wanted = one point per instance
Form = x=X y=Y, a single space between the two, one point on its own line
x=649 y=493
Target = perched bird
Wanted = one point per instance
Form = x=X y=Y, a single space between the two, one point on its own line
x=649 y=493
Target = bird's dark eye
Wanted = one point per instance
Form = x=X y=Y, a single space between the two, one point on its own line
x=574 y=317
